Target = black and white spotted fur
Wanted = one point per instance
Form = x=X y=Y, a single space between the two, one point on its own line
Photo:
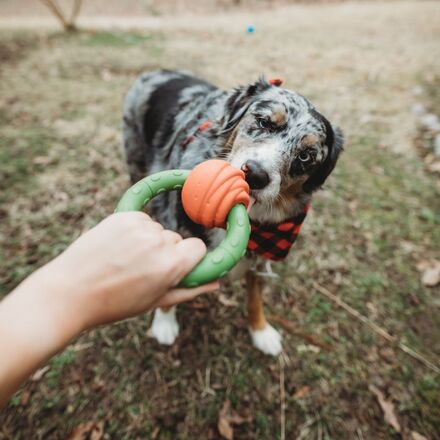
x=275 y=129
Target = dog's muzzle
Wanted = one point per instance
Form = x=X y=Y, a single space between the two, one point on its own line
x=256 y=176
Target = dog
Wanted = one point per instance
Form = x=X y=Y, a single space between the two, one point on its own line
x=286 y=148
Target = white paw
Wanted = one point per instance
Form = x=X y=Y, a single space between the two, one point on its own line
x=164 y=327
x=268 y=340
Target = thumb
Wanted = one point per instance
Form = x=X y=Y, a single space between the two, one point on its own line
x=176 y=296
x=188 y=253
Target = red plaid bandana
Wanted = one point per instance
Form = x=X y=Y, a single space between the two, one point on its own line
x=273 y=242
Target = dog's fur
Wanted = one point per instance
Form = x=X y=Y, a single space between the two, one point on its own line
x=275 y=129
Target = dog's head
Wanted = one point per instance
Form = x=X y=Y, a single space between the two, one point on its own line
x=283 y=144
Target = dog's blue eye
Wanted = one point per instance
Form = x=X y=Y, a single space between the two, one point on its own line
x=265 y=124
x=304 y=156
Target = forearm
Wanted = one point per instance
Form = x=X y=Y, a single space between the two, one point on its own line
x=33 y=327
x=124 y=266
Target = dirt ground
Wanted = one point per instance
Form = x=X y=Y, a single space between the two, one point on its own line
x=372 y=230
x=134 y=8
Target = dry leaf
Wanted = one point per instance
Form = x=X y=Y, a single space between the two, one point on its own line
x=387 y=408
x=429 y=158
x=304 y=348
x=388 y=354
x=315 y=341
x=25 y=396
x=98 y=432
x=408 y=247
x=372 y=309
x=226 y=419
x=414 y=299
x=155 y=433
x=223 y=425
x=434 y=167
x=38 y=375
x=42 y=160
x=303 y=391
x=423 y=265
x=431 y=275
x=227 y=301
x=416 y=436
x=353 y=205
x=87 y=431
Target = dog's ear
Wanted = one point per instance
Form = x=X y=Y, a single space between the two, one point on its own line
x=239 y=101
x=335 y=142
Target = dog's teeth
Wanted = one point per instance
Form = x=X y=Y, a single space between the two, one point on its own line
x=251 y=202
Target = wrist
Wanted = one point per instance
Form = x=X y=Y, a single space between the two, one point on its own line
x=48 y=290
x=41 y=315
x=32 y=329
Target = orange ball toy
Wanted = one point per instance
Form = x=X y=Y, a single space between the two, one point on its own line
x=211 y=190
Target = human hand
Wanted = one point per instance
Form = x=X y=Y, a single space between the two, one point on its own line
x=124 y=266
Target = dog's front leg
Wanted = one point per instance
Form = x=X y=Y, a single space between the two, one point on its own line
x=164 y=327
x=264 y=336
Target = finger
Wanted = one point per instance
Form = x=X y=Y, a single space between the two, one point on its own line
x=171 y=236
x=187 y=253
x=152 y=225
x=136 y=215
x=143 y=216
x=177 y=296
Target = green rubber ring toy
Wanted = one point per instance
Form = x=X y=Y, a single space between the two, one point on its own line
x=215 y=263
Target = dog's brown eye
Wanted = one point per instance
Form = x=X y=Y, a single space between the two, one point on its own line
x=304 y=156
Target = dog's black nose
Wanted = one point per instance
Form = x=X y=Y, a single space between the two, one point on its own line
x=256 y=176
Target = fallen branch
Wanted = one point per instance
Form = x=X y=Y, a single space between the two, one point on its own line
x=54 y=7
x=282 y=400
x=373 y=326
x=56 y=10
x=75 y=11
x=290 y=326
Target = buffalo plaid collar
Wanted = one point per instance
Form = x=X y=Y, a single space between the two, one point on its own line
x=273 y=242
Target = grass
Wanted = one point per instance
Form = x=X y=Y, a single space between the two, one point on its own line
x=62 y=170
x=114 y=39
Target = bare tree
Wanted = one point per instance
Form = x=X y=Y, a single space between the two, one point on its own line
x=67 y=22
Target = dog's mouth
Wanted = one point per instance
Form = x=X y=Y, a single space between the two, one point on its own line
x=259 y=199
x=255 y=195
x=262 y=196
x=252 y=201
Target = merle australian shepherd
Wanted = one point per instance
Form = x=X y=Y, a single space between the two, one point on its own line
x=286 y=148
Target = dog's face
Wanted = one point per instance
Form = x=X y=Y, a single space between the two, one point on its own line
x=284 y=146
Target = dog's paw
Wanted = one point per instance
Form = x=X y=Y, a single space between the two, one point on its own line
x=267 y=340
x=164 y=327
